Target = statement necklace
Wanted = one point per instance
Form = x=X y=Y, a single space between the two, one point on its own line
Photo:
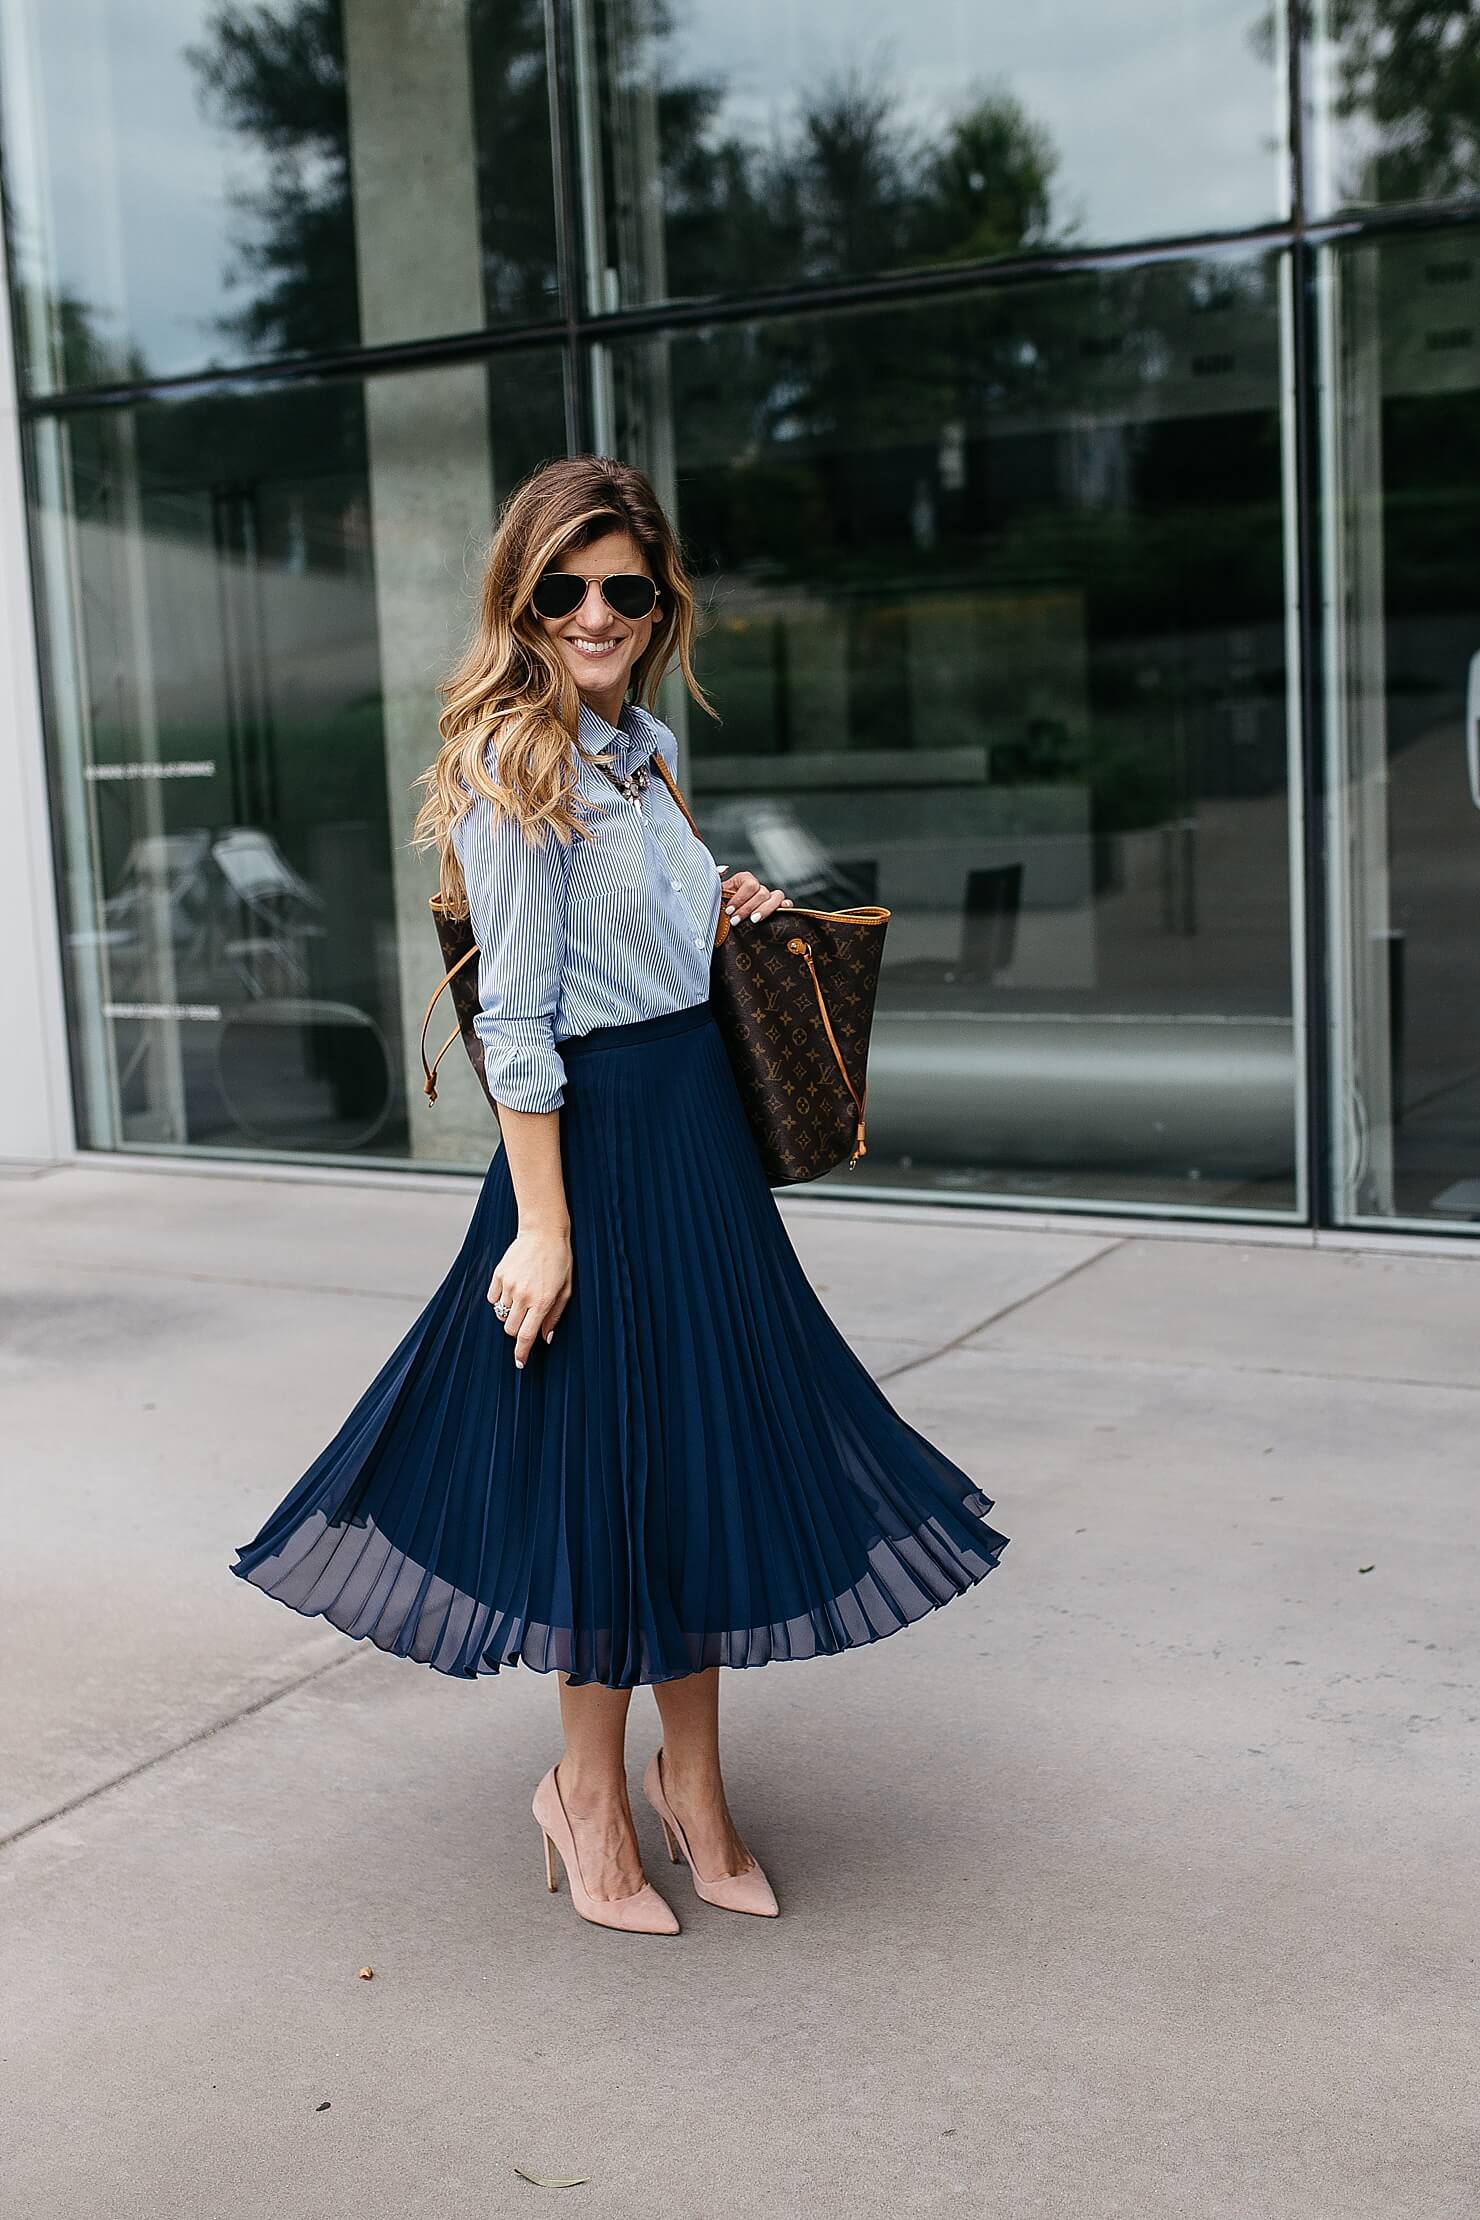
x=629 y=783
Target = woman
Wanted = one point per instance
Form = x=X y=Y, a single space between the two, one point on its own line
x=623 y=1442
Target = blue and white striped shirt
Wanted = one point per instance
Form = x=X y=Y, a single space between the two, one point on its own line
x=602 y=931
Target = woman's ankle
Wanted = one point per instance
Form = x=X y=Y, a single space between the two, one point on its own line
x=698 y=1780
x=591 y=1788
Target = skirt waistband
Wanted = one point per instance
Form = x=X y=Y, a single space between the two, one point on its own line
x=641 y=1030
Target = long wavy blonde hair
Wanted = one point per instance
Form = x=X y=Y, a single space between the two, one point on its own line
x=511 y=685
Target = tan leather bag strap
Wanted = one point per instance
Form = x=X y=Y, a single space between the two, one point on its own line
x=673 y=787
x=796 y=946
x=722 y=923
x=429 y=1081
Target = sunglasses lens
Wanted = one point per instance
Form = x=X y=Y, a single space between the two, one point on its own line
x=557 y=594
x=631 y=595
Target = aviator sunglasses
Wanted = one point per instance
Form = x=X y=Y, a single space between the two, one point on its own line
x=560 y=593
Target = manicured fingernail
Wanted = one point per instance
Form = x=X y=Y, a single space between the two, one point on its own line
x=519 y=1364
x=550 y=1336
x=730 y=912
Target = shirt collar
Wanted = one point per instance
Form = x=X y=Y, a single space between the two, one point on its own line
x=629 y=743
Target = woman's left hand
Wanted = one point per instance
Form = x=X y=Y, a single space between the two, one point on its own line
x=746 y=897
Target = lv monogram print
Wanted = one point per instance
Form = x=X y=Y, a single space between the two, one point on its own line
x=460 y=956
x=781 y=1014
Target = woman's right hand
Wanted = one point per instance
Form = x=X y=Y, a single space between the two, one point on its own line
x=532 y=1278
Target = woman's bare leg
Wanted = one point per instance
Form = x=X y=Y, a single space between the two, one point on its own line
x=689 y=1709
x=592 y=1780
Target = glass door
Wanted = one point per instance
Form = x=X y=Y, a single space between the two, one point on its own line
x=1401 y=431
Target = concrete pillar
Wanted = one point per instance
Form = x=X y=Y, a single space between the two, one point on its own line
x=35 y=1089
x=413 y=163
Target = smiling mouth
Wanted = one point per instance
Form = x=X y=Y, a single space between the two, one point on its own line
x=592 y=647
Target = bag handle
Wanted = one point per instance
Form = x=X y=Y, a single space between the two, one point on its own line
x=862 y=913
x=673 y=787
x=796 y=946
x=722 y=923
x=429 y=1081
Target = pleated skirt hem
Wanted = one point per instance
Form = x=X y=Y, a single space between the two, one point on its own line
x=464 y=1640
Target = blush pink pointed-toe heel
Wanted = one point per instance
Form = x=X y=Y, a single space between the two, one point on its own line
x=644 y=1912
x=749 y=1891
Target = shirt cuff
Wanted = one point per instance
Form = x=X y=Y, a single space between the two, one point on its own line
x=521 y=1065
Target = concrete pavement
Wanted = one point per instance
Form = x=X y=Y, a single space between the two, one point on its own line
x=1139 y=1882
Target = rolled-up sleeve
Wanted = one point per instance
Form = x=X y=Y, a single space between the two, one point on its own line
x=516 y=906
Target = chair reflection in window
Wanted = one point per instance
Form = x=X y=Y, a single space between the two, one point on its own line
x=163 y=900
x=292 y=1067
x=989 y=920
x=231 y=900
x=278 y=909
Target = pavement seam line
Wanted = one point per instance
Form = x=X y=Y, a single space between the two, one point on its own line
x=226 y=1279
x=995 y=1318
x=395 y=1295
x=187 y=1742
x=1221 y=1368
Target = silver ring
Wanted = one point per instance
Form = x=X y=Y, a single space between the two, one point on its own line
x=501 y=1310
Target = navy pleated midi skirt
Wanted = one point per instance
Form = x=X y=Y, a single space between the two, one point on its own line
x=697 y=1470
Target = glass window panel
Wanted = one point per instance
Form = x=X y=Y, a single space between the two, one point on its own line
x=1402 y=443
x=1397 y=112
x=192 y=183
x=728 y=150
x=248 y=598
x=997 y=631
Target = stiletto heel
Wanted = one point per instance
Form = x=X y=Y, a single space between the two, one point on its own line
x=644 y=1912
x=732 y=1892
x=669 y=1843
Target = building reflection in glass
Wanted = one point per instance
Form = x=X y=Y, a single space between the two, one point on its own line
x=998 y=630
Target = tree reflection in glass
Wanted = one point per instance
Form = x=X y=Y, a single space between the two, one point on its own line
x=786 y=150
x=277 y=78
